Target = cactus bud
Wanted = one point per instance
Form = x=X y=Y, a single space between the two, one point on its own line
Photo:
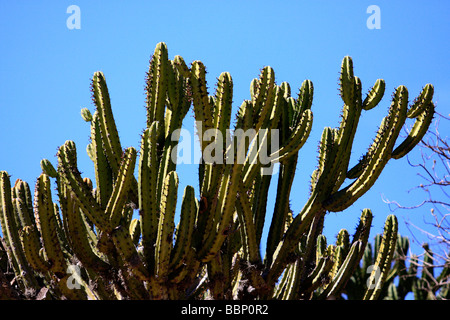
x=86 y=115
x=48 y=168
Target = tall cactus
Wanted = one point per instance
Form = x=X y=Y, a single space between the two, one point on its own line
x=92 y=247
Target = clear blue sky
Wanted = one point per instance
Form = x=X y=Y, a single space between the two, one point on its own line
x=45 y=71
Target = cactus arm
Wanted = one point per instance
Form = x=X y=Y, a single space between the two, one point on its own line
x=247 y=223
x=110 y=136
x=103 y=171
x=121 y=187
x=157 y=85
x=276 y=230
x=187 y=271
x=47 y=225
x=290 y=290
x=312 y=208
x=298 y=226
x=48 y=168
x=263 y=94
x=179 y=99
x=384 y=258
x=221 y=123
x=379 y=152
x=347 y=82
x=363 y=230
x=173 y=91
x=61 y=232
x=323 y=263
x=223 y=208
x=209 y=214
x=259 y=207
x=10 y=234
x=128 y=252
x=200 y=98
x=283 y=288
x=290 y=281
x=31 y=246
x=185 y=230
x=358 y=168
x=287 y=113
x=210 y=113
x=361 y=235
x=315 y=279
x=306 y=252
x=375 y=95
x=421 y=103
x=224 y=100
x=72 y=178
x=335 y=143
x=22 y=190
x=148 y=202
x=322 y=178
x=404 y=282
x=345 y=271
x=210 y=193
x=20 y=212
x=8 y=223
x=417 y=132
x=350 y=88
x=305 y=98
x=442 y=280
x=343 y=240
x=86 y=115
x=82 y=242
x=164 y=240
x=181 y=66
x=244 y=117
x=262 y=141
x=226 y=206
x=419 y=129
x=338 y=259
x=108 y=130
x=297 y=139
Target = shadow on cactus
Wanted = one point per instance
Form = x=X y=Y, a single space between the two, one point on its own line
x=89 y=246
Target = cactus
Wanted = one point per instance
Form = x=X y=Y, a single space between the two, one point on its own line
x=383 y=261
x=401 y=281
x=92 y=247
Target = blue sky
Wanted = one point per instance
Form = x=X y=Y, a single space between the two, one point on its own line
x=45 y=71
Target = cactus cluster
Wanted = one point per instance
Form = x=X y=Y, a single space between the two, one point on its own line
x=91 y=246
x=403 y=279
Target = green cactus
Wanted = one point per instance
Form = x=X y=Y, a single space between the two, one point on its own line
x=10 y=230
x=402 y=281
x=215 y=250
x=383 y=261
